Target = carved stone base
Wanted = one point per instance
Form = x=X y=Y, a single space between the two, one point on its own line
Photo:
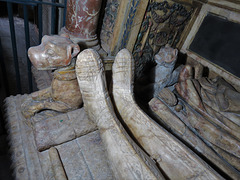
x=82 y=158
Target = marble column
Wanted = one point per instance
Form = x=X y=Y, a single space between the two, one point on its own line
x=81 y=22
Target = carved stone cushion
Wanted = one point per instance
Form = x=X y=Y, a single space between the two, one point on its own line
x=60 y=128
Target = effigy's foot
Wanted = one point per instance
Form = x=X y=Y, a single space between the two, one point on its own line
x=174 y=158
x=127 y=160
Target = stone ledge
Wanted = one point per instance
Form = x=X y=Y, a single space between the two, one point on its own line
x=82 y=158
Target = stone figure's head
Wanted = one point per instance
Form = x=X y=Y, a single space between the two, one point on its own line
x=166 y=55
x=53 y=52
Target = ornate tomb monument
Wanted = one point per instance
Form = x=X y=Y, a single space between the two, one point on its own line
x=188 y=130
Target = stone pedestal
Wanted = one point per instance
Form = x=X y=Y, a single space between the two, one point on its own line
x=81 y=22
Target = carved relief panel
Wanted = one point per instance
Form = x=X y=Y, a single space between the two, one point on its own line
x=109 y=24
x=164 y=23
x=144 y=26
x=121 y=24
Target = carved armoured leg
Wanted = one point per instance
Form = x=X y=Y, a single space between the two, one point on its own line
x=210 y=101
x=176 y=160
x=125 y=156
x=173 y=122
x=220 y=140
x=191 y=94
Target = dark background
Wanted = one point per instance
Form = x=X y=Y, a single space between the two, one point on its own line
x=218 y=40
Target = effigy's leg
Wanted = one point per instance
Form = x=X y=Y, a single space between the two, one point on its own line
x=178 y=123
x=127 y=160
x=174 y=158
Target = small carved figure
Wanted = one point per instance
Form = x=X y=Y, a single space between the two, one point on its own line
x=55 y=52
x=163 y=74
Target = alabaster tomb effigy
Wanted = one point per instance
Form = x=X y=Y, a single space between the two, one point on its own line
x=171 y=111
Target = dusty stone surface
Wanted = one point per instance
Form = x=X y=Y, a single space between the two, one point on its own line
x=93 y=154
x=174 y=158
x=58 y=169
x=28 y=163
x=61 y=128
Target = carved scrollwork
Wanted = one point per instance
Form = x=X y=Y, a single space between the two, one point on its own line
x=163 y=24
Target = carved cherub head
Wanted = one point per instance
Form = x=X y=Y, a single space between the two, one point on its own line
x=53 y=52
x=166 y=55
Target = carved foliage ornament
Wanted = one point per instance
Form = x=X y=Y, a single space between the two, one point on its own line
x=163 y=24
x=128 y=26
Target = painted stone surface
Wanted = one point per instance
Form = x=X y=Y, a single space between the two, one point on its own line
x=163 y=23
x=163 y=71
x=82 y=18
x=207 y=96
x=53 y=52
x=121 y=24
x=63 y=95
x=174 y=158
x=217 y=120
x=109 y=21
